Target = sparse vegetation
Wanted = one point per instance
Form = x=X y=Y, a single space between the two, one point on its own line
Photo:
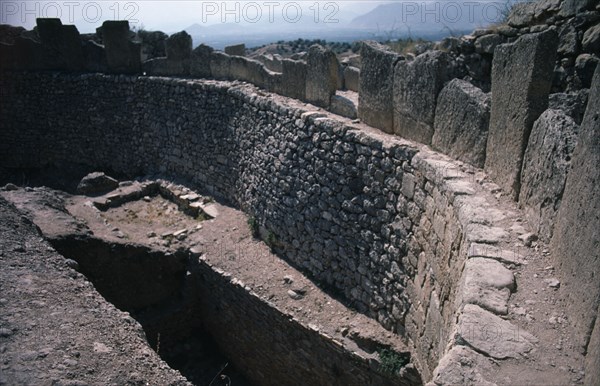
x=302 y=45
x=253 y=225
x=271 y=240
x=391 y=362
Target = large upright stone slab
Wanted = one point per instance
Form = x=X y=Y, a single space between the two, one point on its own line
x=220 y=65
x=521 y=81
x=179 y=52
x=545 y=167
x=321 y=75
x=461 y=122
x=200 y=61
x=62 y=44
x=293 y=79
x=122 y=55
x=236 y=50
x=576 y=240
x=179 y=46
x=351 y=78
x=417 y=85
x=375 y=95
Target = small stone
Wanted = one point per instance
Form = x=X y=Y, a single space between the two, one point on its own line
x=72 y=264
x=180 y=232
x=294 y=295
x=166 y=234
x=528 y=238
x=519 y=311
x=5 y=332
x=553 y=283
x=288 y=279
x=9 y=187
x=146 y=198
x=151 y=234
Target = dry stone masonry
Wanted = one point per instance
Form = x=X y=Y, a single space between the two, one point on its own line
x=419 y=242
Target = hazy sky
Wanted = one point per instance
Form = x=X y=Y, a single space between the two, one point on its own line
x=172 y=16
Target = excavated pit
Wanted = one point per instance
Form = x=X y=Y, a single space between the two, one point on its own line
x=159 y=292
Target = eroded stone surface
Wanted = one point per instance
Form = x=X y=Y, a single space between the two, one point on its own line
x=521 y=80
x=460 y=366
x=488 y=284
x=492 y=335
x=545 y=166
x=461 y=122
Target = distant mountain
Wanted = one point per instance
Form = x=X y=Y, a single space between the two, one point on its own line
x=402 y=17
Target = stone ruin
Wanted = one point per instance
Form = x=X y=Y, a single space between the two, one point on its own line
x=437 y=226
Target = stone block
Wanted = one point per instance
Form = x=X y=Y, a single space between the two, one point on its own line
x=165 y=67
x=375 y=95
x=200 y=61
x=351 y=78
x=572 y=104
x=321 y=75
x=591 y=40
x=220 y=64
x=585 y=66
x=236 y=50
x=62 y=45
x=416 y=88
x=96 y=183
x=521 y=81
x=122 y=55
x=293 y=79
x=486 y=44
x=575 y=242
x=95 y=57
x=461 y=123
x=545 y=167
x=491 y=335
x=572 y=7
x=343 y=106
x=488 y=284
x=179 y=46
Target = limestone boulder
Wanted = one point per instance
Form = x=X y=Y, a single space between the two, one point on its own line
x=122 y=55
x=491 y=335
x=375 y=95
x=62 y=45
x=461 y=122
x=585 y=66
x=545 y=167
x=236 y=50
x=568 y=40
x=488 y=284
x=591 y=40
x=321 y=75
x=343 y=106
x=572 y=7
x=220 y=64
x=521 y=82
x=179 y=46
x=486 y=44
x=200 y=61
x=293 y=79
x=572 y=104
x=575 y=243
x=96 y=183
x=351 y=78
x=94 y=56
x=416 y=88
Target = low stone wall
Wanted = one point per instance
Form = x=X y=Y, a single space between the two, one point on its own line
x=387 y=226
